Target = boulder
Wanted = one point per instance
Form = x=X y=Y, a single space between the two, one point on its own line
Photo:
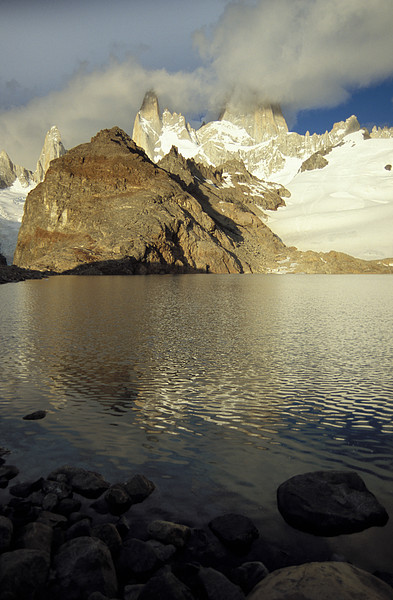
x=108 y=533
x=235 y=531
x=117 y=499
x=35 y=416
x=23 y=573
x=248 y=575
x=137 y=560
x=7 y=472
x=169 y=533
x=36 y=536
x=322 y=581
x=84 y=565
x=217 y=587
x=165 y=586
x=87 y=483
x=329 y=503
x=139 y=488
x=6 y=531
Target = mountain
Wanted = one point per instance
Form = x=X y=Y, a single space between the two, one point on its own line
x=52 y=148
x=105 y=207
x=259 y=138
x=342 y=200
x=346 y=206
x=15 y=184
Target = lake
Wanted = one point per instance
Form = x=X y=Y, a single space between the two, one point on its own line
x=216 y=387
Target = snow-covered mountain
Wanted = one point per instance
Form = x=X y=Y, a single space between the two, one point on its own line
x=15 y=183
x=346 y=206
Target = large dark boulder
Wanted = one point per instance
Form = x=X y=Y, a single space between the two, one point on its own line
x=87 y=483
x=237 y=532
x=84 y=565
x=321 y=581
x=23 y=573
x=329 y=503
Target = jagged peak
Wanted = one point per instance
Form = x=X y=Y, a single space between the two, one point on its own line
x=261 y=122
x=52 y=148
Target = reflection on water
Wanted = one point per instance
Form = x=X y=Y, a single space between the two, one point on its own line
x=222 y=382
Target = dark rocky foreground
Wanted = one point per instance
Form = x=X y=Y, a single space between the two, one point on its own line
x=73 y=536
x=12 y=273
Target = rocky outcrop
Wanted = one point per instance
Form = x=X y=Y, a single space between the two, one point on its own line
x=104 y=207
x=263 y=123
x=329 y=503
x=381 y=132
x=322 y=580
x=52 y=148
x=9 y=172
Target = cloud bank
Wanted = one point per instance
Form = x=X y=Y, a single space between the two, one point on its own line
x=301 y=53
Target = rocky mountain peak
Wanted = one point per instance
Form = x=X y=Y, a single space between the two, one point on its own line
x=52 y=148
x=9 y=172
x=263 y=123
x=147 y=125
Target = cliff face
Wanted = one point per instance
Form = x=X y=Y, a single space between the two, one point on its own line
x=106 y=201
x=104 y=207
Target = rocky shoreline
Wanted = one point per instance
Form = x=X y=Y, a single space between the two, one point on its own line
x=72 y=535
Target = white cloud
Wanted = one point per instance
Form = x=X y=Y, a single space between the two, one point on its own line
x=93 y=101
x=302 y=53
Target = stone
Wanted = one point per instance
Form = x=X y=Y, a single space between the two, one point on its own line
x=35 y=416
x=217 y=587
x=123 y=526
x=6 y=531
x=164 y=552
x=87 y=483
x=118 y=499
x=7 y=472
x=108 y=533
x=136 y=560
x=60 y=489
x=248 y=575
x=52 y=519
x=36 y=536
x=49 y=502
x=165 y=586
x=139 y=488
x=329 y=503
x=23 y=573
x=23 y=490
x=67 y=506
x=235 y=531
x=84 y=565
x=81 y=528
x=131 y=592
x=169 y=533
x=322 y=581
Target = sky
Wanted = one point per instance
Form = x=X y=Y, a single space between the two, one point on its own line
x=86 y=64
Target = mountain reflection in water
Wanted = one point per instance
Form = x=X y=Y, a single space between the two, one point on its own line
x=224 y=385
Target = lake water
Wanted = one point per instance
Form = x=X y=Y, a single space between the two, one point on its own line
x=218 y=388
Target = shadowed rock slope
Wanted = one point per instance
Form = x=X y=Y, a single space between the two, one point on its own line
x=104 y=207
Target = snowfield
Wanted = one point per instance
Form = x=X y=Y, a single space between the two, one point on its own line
x=346 y=206
x=12 y=201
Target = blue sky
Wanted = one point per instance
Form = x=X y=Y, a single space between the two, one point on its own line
x=85 y=64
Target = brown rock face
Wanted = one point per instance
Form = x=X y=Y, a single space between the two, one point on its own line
x=106 y=201
x=104 y=207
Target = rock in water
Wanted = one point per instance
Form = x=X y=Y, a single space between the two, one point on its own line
x=322 y=581
x=329 y=503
